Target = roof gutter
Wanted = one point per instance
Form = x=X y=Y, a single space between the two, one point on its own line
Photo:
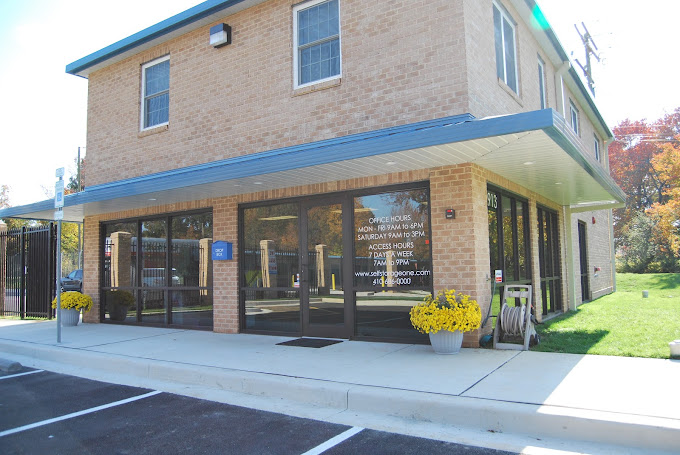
x=203 y=11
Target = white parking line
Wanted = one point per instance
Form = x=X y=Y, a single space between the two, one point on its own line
x=20 y=374
x=333 y=441
x=76 y=414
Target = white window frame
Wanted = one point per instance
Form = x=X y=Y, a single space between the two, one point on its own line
x=598 y=155
x=543 y=101
x=296 y=52
x=505 y=17
x=143 y=95
x=574 y=117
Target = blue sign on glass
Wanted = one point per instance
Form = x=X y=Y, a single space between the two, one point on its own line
x=222 y=251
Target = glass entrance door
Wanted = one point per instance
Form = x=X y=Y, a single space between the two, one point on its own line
x=583 y=261
x=325 y=278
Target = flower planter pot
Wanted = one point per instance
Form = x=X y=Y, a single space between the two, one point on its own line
x=70 y=317
x=118 y=312
x=446 y=342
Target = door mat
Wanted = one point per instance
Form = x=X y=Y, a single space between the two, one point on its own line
x=309 y=342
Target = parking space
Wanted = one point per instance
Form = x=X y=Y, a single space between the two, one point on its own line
x=45 y=412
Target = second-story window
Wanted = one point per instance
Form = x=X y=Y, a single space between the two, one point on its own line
x=597 y=147
x=155 y=93
x=506 y=56
x=541 y=83
x=573 y=115
x=316 y=28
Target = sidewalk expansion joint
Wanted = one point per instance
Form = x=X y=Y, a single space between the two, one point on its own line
x=489 y=374
x=561 y=406
x=130 y=339
x=87 y=347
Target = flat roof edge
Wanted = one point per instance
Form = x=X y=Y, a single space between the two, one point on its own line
x=164 y=27
x=356 y=146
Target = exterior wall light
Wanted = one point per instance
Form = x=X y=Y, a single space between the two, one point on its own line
x=220 y=35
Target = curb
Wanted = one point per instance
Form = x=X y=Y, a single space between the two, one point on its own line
x=9 y=366
x=538 y=422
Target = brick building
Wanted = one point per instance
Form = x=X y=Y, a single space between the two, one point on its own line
x=355 y=155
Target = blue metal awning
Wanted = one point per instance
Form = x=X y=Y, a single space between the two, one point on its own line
x=536 y=150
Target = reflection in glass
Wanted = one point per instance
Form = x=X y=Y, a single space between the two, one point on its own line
x=192 y=267
x=324 y=255
x=274 y=312
x=386 y=314
x=493 y=237
x=188 y=269
x=154 y=255
x=120 y=269
x=392 y=261
x=508 y=240
x=120 y=250
x=120 y=305
x=191 y=308
x=549 y=261
x=392 y=245
x=271 y=267
x=154 y=250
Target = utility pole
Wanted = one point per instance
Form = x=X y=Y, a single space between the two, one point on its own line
x=59 y=215
x=591 y=49
x=80 y=246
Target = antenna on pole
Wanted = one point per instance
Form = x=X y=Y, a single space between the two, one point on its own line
x=590 y=48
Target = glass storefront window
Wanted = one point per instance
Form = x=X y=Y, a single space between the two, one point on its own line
x=299 y=274
x=392 y=241
x=392 y=261
x=549 y=258
x=509 y=246
x=171 y=289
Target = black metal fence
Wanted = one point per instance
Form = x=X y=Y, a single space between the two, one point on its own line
x=28 y=258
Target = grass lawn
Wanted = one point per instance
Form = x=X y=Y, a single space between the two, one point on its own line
x=621 y=324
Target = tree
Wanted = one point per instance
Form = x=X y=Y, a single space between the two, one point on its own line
x=12 y=223
x=72 y=185
x=636 y=250
x=645 y=161
x=630 y=161
x=666 y=232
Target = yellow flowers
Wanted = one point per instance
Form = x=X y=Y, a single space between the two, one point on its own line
x=446 y=311
x=74 y=300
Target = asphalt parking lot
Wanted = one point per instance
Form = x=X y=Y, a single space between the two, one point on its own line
x=45 y=412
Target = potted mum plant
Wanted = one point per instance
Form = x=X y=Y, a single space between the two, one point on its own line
x=118 y=303
x=445 y=317
x=71 y=304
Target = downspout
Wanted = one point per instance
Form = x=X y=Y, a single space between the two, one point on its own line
x=559 y=87
x=612 y=245
x=605 y=154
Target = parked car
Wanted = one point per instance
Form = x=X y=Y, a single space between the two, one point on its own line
x=156 y=277
x=73 y=282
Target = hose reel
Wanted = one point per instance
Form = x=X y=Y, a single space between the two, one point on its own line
x=515 y=320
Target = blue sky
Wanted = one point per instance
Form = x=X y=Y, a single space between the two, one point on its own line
x=44 y=114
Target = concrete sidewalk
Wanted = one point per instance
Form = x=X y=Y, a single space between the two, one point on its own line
x=526 y=402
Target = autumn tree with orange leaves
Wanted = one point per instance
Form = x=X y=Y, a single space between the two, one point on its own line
x=645 y=161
